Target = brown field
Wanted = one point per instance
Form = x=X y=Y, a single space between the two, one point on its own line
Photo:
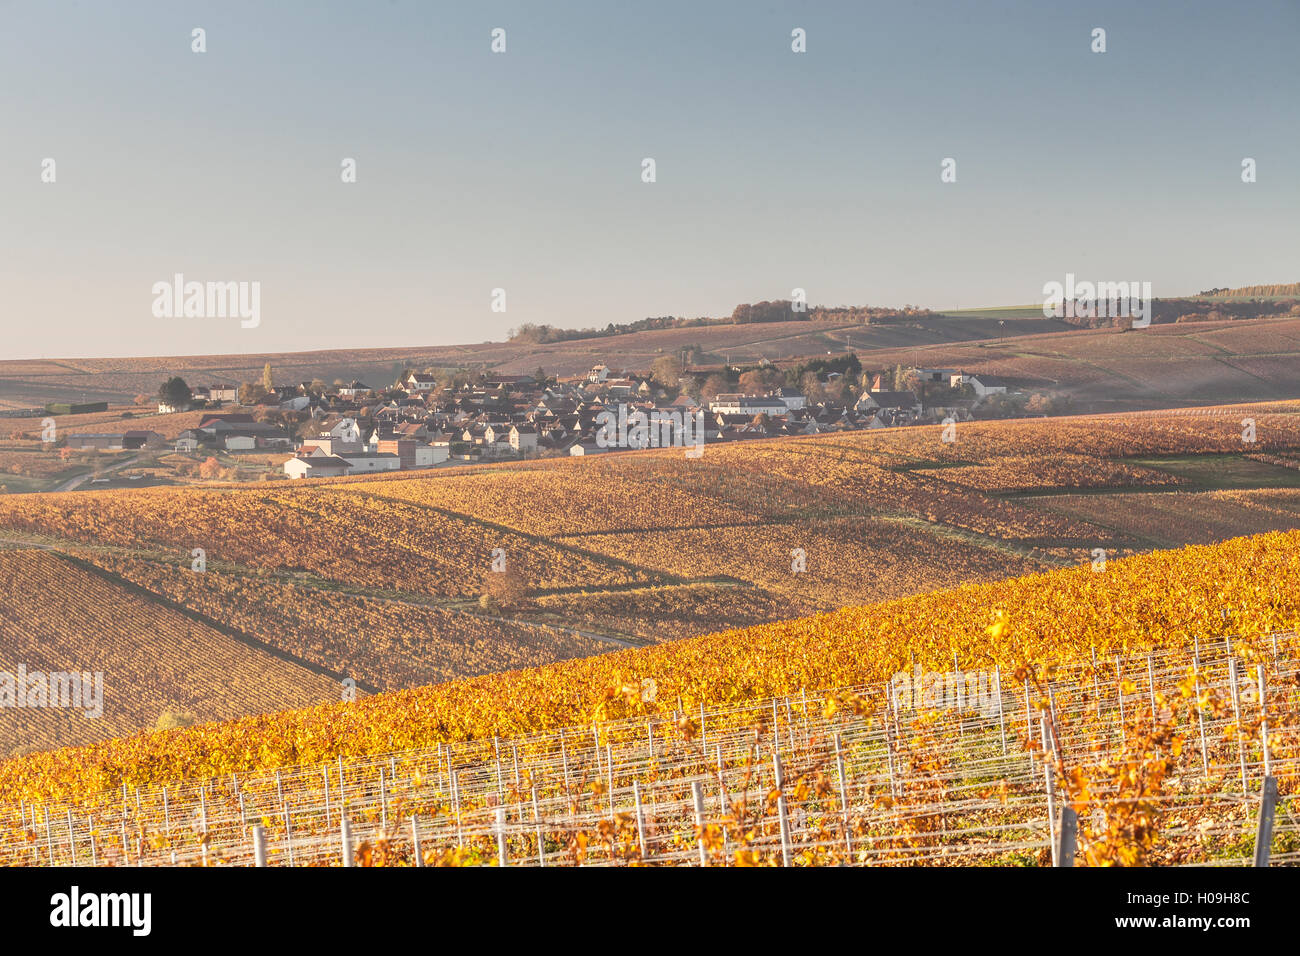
x=56 y=616
x=1105 y=370
x=381 y=577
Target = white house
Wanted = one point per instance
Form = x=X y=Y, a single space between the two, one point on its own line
x=416 y=382
x=598 y=373
x=319 y=466
x=240 y=443
x=792 y=397
x=354 y=389
x=345 y=429
x=373 y=461
x=748 y=405
x=983 y=385
x=523 y=438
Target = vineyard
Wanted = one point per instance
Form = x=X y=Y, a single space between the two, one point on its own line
x=382 y=643
x=1153 y=602
x=183 y=665
x=390 y=580
x=1172 y=757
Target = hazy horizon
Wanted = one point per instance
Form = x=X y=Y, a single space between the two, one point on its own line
x=522 y=170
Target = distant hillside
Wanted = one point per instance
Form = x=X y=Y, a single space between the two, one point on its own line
x=1253 y=292
x=781 y=310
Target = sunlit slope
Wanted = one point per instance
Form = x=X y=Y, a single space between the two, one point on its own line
x=1159 y=599
x=59 y=617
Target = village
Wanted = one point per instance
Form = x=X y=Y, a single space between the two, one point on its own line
x=440 y=417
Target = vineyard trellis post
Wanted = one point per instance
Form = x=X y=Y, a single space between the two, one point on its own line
x=609 y=767
x=1050 y=788
x=1264 y=831
x=1029 y=724
x=640 y=817
x=72 y=840
x=1236 y=712
x=203 y=821
x=1200 y=712
x=288 y=834
x=259 y=845
x=844 y=792
x=782 y=815
x=1067 y=831
x=503 y=853
x=1263 y=721
x=1002 y=720
x=455 y=799
x=415 y=840
x=697 y=794
x=345 y=840
x=1119 y=689
x=1096 y=685
x=537 y=821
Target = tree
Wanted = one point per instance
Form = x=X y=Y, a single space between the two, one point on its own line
x=174 y=392
x=812 y=387
x=250 y=393
x=667 y=370
x=210 y=469
x=756 y=380
x=714 y=385
x=503 y=589
x=267 y=382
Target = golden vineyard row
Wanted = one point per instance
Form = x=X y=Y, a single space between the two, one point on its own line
x=1153 y=600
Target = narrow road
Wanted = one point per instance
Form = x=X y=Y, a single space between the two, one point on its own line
x=73 y=483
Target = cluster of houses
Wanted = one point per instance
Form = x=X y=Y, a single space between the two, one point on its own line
x=514 y=416
x=418 y=423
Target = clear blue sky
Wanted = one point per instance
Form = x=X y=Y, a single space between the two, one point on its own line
x=522 y=170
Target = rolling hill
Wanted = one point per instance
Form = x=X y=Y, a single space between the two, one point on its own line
x=389 y=580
